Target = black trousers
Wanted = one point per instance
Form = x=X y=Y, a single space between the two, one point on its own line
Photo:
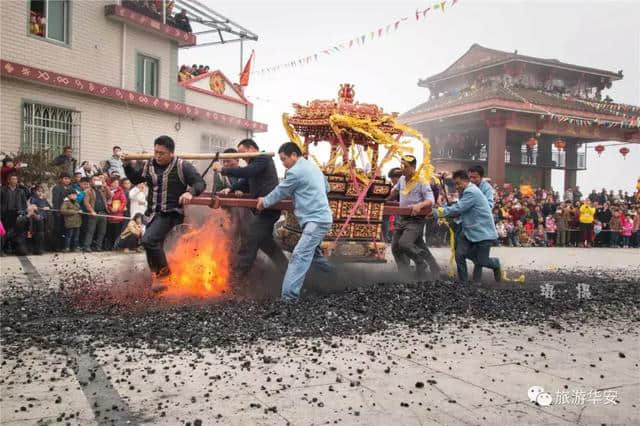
x=9 y=219
x=60 y=231
x=408 y=244
x=112 y=234
x=477 y=252
x=154 y=236
x=96 y=229
x=131 y=242
x=259 y=236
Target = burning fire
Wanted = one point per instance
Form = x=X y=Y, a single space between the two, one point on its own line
x=200 y=261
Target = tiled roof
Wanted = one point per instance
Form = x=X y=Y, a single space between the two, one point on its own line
x=514 y=94
x=479 y=57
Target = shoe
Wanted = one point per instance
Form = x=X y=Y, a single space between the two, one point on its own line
x=66 y=250
x=87 y=250
x=126 y=250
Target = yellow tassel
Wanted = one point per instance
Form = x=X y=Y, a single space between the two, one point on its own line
x=452 y=246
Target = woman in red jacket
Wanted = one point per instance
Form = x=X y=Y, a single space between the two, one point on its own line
x=116 y=207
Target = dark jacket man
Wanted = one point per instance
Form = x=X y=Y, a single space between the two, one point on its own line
x=257 y=179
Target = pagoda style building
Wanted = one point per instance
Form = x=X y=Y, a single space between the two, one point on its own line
x=520 y=116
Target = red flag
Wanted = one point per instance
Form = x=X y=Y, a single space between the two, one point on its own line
x=244 y=77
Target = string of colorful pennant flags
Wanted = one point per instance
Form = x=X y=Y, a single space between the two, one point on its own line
x=382 y=31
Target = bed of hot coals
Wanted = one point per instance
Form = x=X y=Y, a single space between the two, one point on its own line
x=127 y=314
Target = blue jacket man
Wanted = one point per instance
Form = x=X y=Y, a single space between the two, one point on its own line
x=476 y=176
x=478 y=230
x=308 y=188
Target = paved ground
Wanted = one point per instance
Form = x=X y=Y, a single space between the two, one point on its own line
x=450 y=366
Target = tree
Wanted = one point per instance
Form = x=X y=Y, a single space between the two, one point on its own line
x=38 y=170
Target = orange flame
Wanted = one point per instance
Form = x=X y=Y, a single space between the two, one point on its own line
x=200 y=262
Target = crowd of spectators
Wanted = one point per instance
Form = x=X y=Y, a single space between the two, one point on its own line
x=542 y=219
x=153 y=9
x=187 y=72
x=528 y=217
x=90 y=208
x=96 y=208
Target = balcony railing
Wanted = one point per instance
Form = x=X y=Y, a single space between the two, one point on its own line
x=141 y=15
x=557 y=161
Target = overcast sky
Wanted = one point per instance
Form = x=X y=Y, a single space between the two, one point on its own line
x=385 y=71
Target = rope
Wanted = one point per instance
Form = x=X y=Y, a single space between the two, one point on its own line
x=94 y=215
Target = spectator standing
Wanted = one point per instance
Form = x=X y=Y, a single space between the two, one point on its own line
x=587 y=213
x=604 y=215
x=8 y=168
x=577 y=195
x=65 y=161
x=184 y=73
x=75 y=183
x=12 y=202
x=72 y=221
x=114 y=164
x=568 y=195
x=551 y=228
x=95 y=201
x=58 y=194
x=539 y=237
x=501 y=229
x=138 y=199
x=627 y=231
x=549 y=206
x=116 y=206
x=222 y=182
x=529 y=227
x=615 y=228
x=512 y=234
x=562 y=218
x=39 y=220
x=636 y=228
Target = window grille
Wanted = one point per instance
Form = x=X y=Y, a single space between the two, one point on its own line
x=50 y=129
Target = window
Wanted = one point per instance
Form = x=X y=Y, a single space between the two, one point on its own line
x=147 y=75
x=49 y=19
x=50 y=129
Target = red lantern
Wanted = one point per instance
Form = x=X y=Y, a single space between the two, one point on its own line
x=599 y=149
x=560 y=144
x=531 y=142
x=624 y=151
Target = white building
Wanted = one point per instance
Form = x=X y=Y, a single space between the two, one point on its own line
x=97 y=74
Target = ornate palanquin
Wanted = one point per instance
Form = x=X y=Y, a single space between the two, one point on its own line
x=355 y=132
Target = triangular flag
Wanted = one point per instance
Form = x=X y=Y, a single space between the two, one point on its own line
x=244 y=76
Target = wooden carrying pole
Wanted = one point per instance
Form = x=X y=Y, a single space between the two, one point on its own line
x=232 y=201
x=201 y=156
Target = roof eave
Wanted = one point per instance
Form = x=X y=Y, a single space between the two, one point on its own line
x=427 y=82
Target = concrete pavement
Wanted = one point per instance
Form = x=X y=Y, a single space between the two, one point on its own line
x=455 y=370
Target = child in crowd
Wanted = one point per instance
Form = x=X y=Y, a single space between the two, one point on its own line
x=627 y=230
x=512 y=234
x=539 y=237
x=523 y=235
x=597 y=228
x=529 y=227
x=71 y=212
x=501 y=229
x=550 y=226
